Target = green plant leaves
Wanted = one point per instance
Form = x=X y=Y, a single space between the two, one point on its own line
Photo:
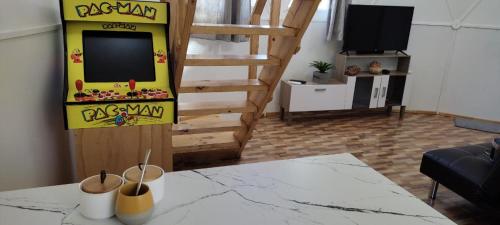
x=321 y=66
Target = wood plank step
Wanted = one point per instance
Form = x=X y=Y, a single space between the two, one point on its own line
x=214 y=107
x=199 y=86
x=204 y=142
x=207 y=28
x=230 y=60
x=206 y=124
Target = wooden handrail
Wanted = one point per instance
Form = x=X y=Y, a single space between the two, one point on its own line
x=187 y=9
x=274 y=20
x=254 y=39
x=257 y=11
x=299 y=16
x=255 y=20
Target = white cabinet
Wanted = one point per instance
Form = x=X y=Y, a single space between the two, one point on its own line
x=312 y=97
x=317 y=97
x=379 y=91
x=344 y=93
x=371 y=91
x=375 y=92
x=361 y=91
x=383 y=91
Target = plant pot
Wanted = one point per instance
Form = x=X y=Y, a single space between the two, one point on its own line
x=321 y=78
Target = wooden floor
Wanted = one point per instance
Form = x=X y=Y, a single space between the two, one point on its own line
x=392 y=147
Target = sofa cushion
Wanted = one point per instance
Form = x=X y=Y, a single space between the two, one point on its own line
x=461 y=169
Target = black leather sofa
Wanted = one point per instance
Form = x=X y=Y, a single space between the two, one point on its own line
x=471 y=171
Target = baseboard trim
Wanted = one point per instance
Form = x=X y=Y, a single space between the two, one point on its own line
x=469 y=117
x=277 y=114
x=271 y=114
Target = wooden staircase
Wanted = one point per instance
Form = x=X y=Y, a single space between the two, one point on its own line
x=204 y=126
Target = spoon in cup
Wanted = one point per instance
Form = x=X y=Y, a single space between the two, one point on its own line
x=145 y=165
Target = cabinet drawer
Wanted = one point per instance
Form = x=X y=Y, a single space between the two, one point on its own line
x=317 y=97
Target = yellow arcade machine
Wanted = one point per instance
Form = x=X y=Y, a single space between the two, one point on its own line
x=119 y=96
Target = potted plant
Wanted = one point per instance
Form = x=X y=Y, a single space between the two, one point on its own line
x=321 y=75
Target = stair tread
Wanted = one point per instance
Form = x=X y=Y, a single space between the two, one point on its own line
x=207 y=28
x=214 y=107
x=230 y=60
x=195 y=86
x=204 y=142
x=206 y=124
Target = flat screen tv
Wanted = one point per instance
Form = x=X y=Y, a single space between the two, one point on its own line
x=374 y=29
x=111 y=56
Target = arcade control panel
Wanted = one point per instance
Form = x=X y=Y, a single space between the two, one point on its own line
x=129 y=92
x=118 y=104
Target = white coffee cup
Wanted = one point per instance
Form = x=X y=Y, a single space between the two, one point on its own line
x=157 y=184
x=98 y=205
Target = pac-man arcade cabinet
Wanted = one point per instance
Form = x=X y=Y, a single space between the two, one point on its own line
x=119 y=94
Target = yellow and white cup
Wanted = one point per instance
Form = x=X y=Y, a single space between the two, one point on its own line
x=97 y=200
x=153 y=177
x=134 y=209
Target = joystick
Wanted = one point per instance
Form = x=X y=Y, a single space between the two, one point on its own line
x=131 y=85
x=79 y=85
x=79 y=88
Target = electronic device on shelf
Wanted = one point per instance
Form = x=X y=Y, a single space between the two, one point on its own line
x=375 y=29
x=293 y=81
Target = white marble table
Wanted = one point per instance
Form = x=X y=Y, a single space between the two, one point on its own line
x=334 y=189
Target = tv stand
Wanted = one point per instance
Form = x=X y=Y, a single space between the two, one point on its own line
x=402 y=52
x=359 y=92
x=370 y=52
x=376 y=52
x=345 y=51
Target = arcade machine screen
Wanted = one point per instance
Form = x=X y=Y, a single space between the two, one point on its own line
x=118 y=56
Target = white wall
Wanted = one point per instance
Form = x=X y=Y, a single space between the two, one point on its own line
x=472 y=85
x=456 y=53
x=28 y=17
x=33 y=143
